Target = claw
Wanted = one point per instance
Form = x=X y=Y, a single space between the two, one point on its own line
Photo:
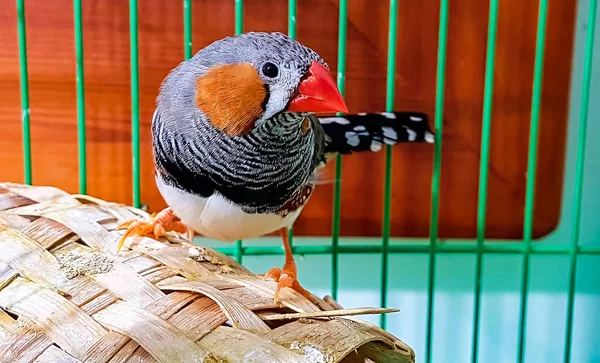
x=190 y=234
x=273 y=273
x=159 y=230
x=284 y=281
x=133 y=228
x=286 y=278
x=125 y=224
x=157 y=227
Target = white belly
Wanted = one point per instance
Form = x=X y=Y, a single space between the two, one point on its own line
x=218 y=218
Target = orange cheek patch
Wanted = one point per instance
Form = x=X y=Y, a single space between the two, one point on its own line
x=232 y=97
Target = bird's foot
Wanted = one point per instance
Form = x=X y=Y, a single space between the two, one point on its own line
x=286 y=278
x=157 y=226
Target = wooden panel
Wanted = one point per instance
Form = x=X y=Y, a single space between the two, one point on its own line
x=53 y=102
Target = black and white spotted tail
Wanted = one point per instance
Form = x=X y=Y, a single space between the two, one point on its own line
x=370 y=131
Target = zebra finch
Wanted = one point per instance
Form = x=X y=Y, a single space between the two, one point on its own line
x=237 y=144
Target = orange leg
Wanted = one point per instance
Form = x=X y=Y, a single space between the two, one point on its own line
x=164 y=221
x=288 y=276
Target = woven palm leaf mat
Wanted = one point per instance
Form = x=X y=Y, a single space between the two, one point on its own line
x=66 y=295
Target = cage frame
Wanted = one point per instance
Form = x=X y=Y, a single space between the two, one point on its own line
x=551 y=244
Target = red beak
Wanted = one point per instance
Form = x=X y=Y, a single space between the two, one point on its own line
x=318 y=93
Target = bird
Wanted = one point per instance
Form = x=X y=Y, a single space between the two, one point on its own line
x=237 y=143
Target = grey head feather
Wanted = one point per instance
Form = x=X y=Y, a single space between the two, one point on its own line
x=292 y=58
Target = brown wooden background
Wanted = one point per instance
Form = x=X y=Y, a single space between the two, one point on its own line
x=53 y=102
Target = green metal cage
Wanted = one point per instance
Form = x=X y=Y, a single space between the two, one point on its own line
x=578 y=260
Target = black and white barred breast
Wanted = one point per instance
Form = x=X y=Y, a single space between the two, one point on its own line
x=268 y=170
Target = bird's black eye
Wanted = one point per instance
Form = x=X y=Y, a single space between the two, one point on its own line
x=270 y=70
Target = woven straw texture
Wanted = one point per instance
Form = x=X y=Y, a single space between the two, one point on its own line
x=66 y=295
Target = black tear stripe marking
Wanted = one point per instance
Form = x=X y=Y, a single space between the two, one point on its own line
x=370 y=132
x=267 y=97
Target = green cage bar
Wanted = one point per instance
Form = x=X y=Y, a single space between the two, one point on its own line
x=135 y=100
x=484 y=167
x=239 y=28
x=80 y=84
x=437 y=170
x=292 y=6
x=337 y=192
x=26 y=123
x=187 y=28
x=389 y=107
x=538 y=72
x=420 y=248
x=579 y=170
